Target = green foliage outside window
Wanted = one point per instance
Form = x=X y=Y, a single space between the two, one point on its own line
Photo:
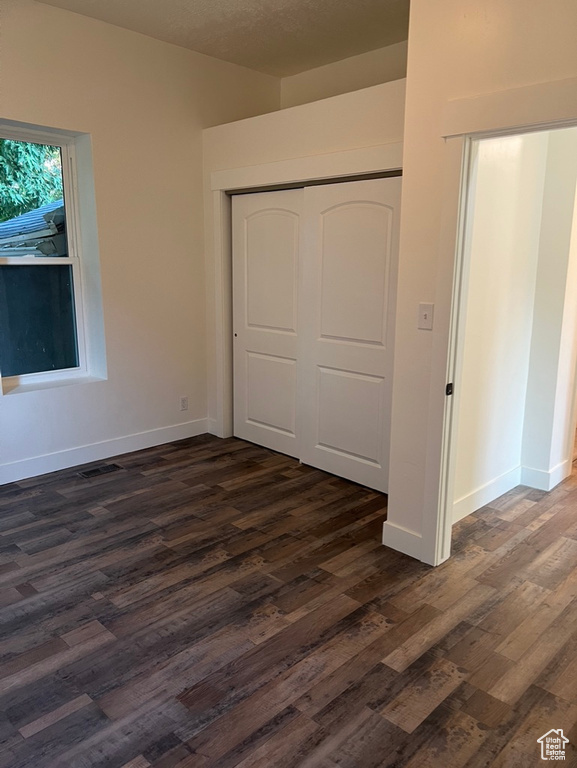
x=30 y=176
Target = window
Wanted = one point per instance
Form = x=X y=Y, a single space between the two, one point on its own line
x=44 y=333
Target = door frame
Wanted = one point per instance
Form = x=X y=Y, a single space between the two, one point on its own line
x=525 y=109
x=336 y=166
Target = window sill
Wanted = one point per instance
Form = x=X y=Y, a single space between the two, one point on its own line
x=15 y=386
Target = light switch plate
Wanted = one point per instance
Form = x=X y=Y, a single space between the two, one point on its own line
x=426 y=317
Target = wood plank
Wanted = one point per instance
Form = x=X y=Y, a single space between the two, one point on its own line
x=138 y=762
x=459 y=739
x=416 y=702
x=546 y=611
x=53 y=717
x=276 y=750
x=39 y=669
x=217 y=605
x=422 y=640
x=487 y=709
x=519 y=677
x=241 y=721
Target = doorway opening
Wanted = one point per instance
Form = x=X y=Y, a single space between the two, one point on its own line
x=513 y=415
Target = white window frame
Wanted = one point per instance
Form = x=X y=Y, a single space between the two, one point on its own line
x=84 y=370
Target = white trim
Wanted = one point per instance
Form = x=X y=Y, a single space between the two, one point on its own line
x=56 y=137
x=384 y=157
x=536 y=107
x=405 y=541
x=486 y=494
x=533 y=107
x=540 y=479
x=546 y=480
x=72 y=214
x=35 y=261
x=336 y=165
x=33 y=382
x=539 y=106
x=52 y=462
x=441 y=428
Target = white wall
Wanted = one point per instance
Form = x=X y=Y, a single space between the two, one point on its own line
x=547 y=443
x=501 y=258
x=312 y=134
x=475 y=51
x=145 y=104
x=379 y=66
x=320 y=128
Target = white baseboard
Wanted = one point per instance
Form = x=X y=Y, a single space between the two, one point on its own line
x=212 y=427
x=403 y=540
x=545 y=480
x=486 y=493
x=216 y=428
x=51 y=462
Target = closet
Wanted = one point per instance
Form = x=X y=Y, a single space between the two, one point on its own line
x=314 y=276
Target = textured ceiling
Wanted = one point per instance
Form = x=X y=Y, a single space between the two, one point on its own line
x=279 y=37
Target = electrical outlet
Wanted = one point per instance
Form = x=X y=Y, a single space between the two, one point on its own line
x=184 y=403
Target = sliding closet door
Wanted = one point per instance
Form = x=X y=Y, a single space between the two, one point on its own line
x=314 y=272
x=266 y=232
x=349 y=245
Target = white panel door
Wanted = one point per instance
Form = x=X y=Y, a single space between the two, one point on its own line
x=266 y=232
x=349 y=246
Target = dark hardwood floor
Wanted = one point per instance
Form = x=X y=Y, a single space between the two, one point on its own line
x=213 y=604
